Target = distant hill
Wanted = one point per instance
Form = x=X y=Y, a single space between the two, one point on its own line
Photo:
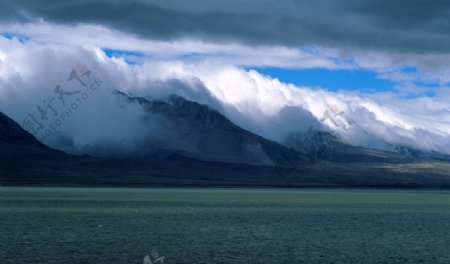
x=324 y=145
x=211 y=150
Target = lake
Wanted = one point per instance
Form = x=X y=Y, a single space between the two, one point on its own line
x=218 y=225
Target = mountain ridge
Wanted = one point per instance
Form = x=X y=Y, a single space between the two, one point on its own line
x=212 y=134
x=324 y=145
x=25 y=161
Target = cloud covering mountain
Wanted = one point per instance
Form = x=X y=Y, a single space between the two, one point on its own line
x=30 y=72
x=60 y=61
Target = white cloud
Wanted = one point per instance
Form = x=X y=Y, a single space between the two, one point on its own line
x=30 y=71
x=87 y=35
x=430 y=67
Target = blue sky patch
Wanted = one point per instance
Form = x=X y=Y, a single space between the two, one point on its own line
x=20 y=37
x=129 y=56
x=122 y=53
x=334 y=80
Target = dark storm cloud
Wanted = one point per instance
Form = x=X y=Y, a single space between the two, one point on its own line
x=419 y=26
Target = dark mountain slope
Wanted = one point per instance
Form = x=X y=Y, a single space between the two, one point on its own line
x=197 y=131
x=17 y=145
x=11 y=132
x=25 y=161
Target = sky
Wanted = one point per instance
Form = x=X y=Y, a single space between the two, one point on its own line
x=376 y=73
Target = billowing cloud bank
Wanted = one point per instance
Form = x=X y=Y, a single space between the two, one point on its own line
x=32 y=71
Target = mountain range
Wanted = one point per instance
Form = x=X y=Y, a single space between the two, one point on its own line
x=202 y=147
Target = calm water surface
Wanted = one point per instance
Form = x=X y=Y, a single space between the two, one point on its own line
x=173 y=225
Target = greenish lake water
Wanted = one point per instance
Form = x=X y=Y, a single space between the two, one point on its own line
x=123 y=225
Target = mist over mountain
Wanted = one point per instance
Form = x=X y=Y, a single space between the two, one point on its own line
x=324 y=145
x=197 y=131
x=204 y=148
x=224 y=131
x=343 y=94
x=261 y=104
